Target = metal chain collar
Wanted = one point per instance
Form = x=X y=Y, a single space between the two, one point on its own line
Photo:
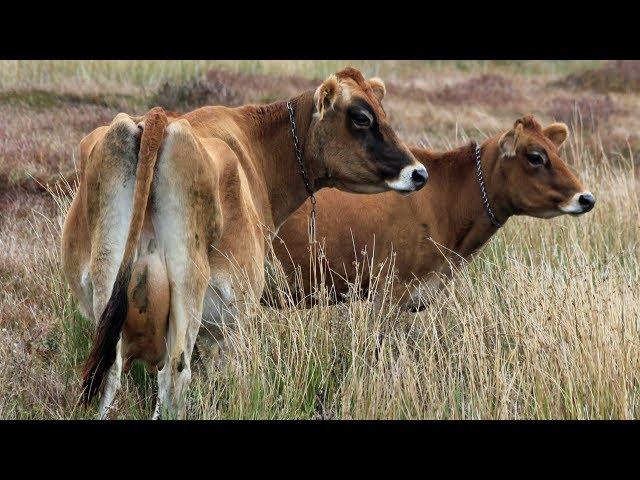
x=303 y=172
x=483 y=190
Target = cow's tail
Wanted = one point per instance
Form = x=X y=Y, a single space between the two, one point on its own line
x=103 y=350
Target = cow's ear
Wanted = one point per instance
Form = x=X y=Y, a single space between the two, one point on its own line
x=508 y=141
x=557 y=133
x=377 y=85
x=326 y=94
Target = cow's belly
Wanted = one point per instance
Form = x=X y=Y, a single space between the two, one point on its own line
x=237 y=278
x=219 y=301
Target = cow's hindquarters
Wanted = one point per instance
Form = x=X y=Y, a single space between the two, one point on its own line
x=123 y=159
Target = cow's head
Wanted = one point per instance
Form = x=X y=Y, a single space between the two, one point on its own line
x=538 y=181
x=351 y=136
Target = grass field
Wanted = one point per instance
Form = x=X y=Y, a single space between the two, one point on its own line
x=544 y=323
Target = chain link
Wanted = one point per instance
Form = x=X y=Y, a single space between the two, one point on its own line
x=303 y=172
x=483 y=190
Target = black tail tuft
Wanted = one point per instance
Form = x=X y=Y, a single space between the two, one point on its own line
x=103 y=351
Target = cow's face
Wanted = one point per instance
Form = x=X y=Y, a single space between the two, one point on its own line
x=538 y=181
x=351 y=136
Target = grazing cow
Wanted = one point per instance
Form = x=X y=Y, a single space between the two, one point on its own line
x=169 y=206
x=520 y=171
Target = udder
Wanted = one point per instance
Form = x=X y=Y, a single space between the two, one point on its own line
x=148 y=313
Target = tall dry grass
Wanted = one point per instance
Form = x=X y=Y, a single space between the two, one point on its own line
x=542 y=324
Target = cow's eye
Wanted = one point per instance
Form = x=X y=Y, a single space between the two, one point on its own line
x=361 y=119
x=536 y=158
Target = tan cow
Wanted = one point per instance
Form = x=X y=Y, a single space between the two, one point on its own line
x=167 y=208
x=522 y=174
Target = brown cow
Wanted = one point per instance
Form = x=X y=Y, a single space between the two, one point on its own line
x=523 y=175
x=168 y=208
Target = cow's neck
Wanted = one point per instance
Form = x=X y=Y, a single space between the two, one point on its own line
x=460 y=210
x=284 y=185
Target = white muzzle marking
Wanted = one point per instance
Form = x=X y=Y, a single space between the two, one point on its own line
x=404 y=182
x=574 y=205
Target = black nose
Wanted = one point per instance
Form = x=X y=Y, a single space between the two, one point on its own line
x=419 y=177
x=587 y=201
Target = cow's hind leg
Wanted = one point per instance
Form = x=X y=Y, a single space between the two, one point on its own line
x=109 y=203
x=185 y=191
x=111 y=383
